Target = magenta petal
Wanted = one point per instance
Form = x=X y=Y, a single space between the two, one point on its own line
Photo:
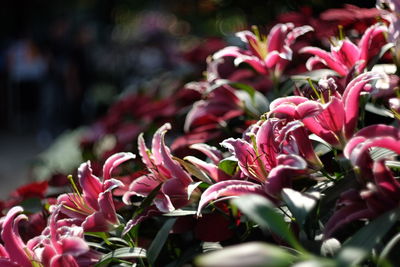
x=175 y=169
x=385 y=180
x=327 y=58
x=296 y=100
x=230 y=51
x=372 y=131
x=308 y=109
x=230 y=188
x=243 y=151
x=91 y=185
x=333 y=115
x=211 y=152
x=96 y=223
x=346 y=215
x=70 y=200
x=277 y=36
x=8 y=263
x=103 y=219
x=164 y=203
x=273 y=57
x=141 y=186
x=252 y=43
x=314 y=61
x=288 y=168
x=366 y=40
x=10 y=236
x=257 y=64
x=74 y=246
x=296 y=32
x=114 y=161
x=3 y=252
x=315 y=127
x=347 y=53
x=288 y=109
x=143 y=152
x=157 y=143
x=360 y=155
x=351 y=100
x=63 y=261
x=148 y=212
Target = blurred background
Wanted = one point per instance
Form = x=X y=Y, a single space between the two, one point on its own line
x=62 y=63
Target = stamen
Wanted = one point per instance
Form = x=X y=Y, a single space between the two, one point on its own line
x=315 y=90
x=75 y=188
x=341 y=33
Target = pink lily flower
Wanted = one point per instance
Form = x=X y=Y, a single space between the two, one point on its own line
x=266 y=53
x=334 y=120
x=357 y=149
x=163 y=170
x=220 y=105
x=94 y=209
x=262 y=161
x=15 y=252
x=382 y=190
x=390 y=10
x=345 y=55
x=62 y=244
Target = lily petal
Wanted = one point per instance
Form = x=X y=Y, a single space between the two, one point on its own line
x=230 y=188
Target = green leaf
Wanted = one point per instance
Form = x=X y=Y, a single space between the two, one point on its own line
x=194 y=170
x=262 y=211
x=121 y=253
x=316 y=262
x=248 y=254
x=32 y=205
x=393 y=164
x=211 y=246
x=315 y=76
x=179 y=212
x=158 y=242
x=254 y=106
x=228 y=165
x=376 y=58
x=381 y=111
x=300 y=204
x=147 y=201
x=360 y=245
x=117 y=240
x=191 y=187
x=378 y=153
x=103 y=235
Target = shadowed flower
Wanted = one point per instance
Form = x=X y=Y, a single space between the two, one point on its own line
x=15 y=252
x=94 y=208
x=266 y=54
x=381 y=190
x=162 y=170
x=62 y=244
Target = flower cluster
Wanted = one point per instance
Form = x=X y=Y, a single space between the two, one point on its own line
x=261 y=149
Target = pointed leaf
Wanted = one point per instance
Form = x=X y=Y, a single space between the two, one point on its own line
x=228 y=165
x=262 y=211
x=300 y=204
x=248 y=254
x=159 y=241
x=121 y=253
x=360 y=245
